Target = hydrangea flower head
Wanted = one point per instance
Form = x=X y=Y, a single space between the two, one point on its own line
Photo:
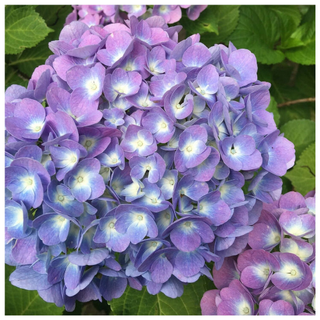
x=126 y=159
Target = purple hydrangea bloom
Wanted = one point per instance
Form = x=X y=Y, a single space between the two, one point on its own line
x=152 y=197
x=154 y=165
x=138 y=142
x=293 y=274
x=66 y=157
x=116 y=47
x=256 y=266
x=266 y=233
x=206 y=84
x=86 y=83
x=16 y=219
x=187 y=233
x=277 y=308
x=121 y=84
x=171 y=14
x=60 y=199
x=27 y=120
x=159 y=124
x=136 y=222
x=277 y=153
x=27 y=179
x=173 y=106
x=192 y=149
x=235 y=300
x=107 y=234
x=84 y=180
x=240 y=153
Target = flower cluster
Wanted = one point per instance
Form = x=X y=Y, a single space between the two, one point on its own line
x=105 y=14
x=125 y=161
x=275 y=274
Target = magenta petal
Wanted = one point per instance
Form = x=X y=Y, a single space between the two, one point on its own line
x=208 y=302
x=184 y=240
x=196 y=56
x=253 y=277
x=116 y=45
x=277 y=308
x=245 y=63
x=208 y=78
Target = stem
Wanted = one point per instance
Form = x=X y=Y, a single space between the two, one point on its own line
x=288 y=103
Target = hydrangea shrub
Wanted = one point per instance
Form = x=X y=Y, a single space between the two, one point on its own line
x=126 y=161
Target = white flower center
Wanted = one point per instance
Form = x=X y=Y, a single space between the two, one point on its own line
x=246 y=310
x=80 y=179
x=93 y=86
x=62 y=219
x=277 y=238
x=293 y=272
x=73 y=159
x=88 y=143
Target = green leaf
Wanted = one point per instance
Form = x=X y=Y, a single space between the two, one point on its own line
x=300 y=132
x=24 y=28
x=50 y=13
x=32 y=58
x=273 y=107
x=305 y=81
x=304 y=54
x=135 y=302
x=291 y=82
x=308 y=158
x=286 y=185
x=296 y=112
x=302 y=175
x=226 y=18
x=289 y=18
x=12 y=76
x=214 y=24
x=207 y=22
x=24 y=302
x=258 y=31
